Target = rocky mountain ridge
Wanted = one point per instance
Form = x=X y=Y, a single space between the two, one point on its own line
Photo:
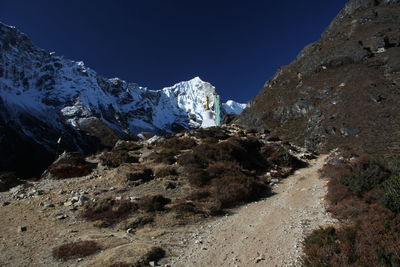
x=342 y=89
x=50 y=104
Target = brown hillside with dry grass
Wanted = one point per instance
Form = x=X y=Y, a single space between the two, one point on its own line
x=341 y=90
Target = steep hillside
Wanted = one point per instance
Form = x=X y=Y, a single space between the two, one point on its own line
x=341 y=90
x=44 y=96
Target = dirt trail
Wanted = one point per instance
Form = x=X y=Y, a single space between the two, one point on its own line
x=264 y=233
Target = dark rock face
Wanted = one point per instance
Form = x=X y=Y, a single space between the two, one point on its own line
x=8 y=180
x=341 y=90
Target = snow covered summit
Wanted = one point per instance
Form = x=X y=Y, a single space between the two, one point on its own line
x=44 y=96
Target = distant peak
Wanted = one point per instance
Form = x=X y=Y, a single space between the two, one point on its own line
x=196 y=79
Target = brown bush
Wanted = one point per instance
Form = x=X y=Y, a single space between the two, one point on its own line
x=234 y=190
x=165 y=156
x=197 y=176
x=108 y=210
x=163 y=171
x=337 y=192
x=116 y=158
x=336 y=171
x=371 y=235
x=178 y=143
x=70 y=165
x=136 y=221
x=279 y=155
x=153 y=203
x=75 y=250
x=213 y=132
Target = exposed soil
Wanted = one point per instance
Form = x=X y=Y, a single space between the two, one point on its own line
x=264 y=233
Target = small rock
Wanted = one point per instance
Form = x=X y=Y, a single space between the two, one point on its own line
x=61 y=217
x=68 y=203
x=50 y=205
x=22 y=229
x=6 y=203
x=118 y=198
x=152 y=263
x=130 y=230
x=259 y=258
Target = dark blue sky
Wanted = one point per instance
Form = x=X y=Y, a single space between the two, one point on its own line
x=235 y=45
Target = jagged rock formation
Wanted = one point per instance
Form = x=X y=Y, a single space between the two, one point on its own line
x=44 y=96
x=342 y=89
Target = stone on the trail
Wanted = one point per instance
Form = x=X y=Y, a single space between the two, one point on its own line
x=22 y=229
x=61 y=217
x=260 y=258
x=129 y=230
x=68 y=203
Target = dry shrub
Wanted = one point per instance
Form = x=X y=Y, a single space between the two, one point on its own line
x=120 y=153
x=234 y=190
x=116 y=158
x=279 y=155
x=70 y=165
x=178 y=143
x=337 y=192
x=164 y=170
x=137 y=221
x=244 y=152
x=212 y=132
x=165 y=156
x=335 y=171
x=108 y=210
x=75 y=250
x=227 y=172
x=143 y=174
x=391 y=196
x=207 y=207
x=371 y=235
x=153 y=203
x=365 y=177
x=349 y=208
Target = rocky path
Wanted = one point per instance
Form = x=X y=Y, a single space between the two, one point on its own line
x=264 y=233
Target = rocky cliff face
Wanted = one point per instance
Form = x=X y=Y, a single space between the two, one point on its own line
x=44 y=96
x=341 y=90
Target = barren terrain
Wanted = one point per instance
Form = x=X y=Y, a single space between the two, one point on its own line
x=265 y=233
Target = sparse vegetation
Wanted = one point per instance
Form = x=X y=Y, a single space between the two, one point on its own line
x=227 y=173
x=70 y=165
x=363 y=193
x=75 y=250
x=109 y=211
x=177 y=143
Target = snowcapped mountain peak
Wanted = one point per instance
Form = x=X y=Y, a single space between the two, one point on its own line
x=44 y=96
x=233 y=107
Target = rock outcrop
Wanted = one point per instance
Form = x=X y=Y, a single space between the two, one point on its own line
x=341 y=90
